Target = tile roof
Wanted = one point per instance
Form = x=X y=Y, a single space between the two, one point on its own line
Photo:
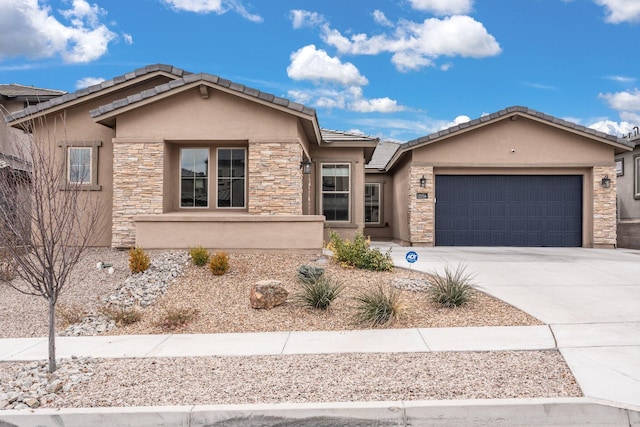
x=201 y=77
x=15 y=90
x=96 y=88
x=507 y=112
x=329 y=135
x=384 y=152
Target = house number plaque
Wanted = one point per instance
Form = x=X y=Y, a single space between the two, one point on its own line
x=422 y=195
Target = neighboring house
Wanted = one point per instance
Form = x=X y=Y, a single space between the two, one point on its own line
x=181 y=159
x=628 y=177
x=513 y=178
x=14 y=151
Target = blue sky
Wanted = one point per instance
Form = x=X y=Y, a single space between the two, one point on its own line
x=394 y=69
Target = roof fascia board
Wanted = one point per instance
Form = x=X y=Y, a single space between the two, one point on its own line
x=91 y=96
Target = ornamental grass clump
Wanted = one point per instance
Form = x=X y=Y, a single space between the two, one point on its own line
x=219 y=263
x=453 y=288
x=199 y=256
x=378 y=306
x=358 y=254
x=177 y=318
x=122 y=316
x=139 y=261
x=319 y=292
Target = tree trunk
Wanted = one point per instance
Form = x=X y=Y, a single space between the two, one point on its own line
x=52 y=336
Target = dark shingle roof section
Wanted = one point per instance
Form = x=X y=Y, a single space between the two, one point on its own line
x=97 y=87
x=202 y=77
x=20 y=91
x=507 y=112
x=329 y=135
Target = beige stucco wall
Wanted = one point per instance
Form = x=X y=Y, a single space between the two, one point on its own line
x=628 y=206
x=523 y=146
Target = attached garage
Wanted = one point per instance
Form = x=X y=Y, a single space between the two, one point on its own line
x=508 y=210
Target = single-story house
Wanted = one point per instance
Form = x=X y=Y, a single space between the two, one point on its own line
x=181 y=159
x=628 y=179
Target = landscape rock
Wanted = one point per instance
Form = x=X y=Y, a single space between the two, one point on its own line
x=267 y=294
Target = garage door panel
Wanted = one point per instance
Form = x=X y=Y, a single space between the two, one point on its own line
x=508 y=210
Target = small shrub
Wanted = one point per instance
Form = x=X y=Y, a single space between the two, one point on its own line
x=139 y=261
x=309 y=273
x=453 y=288
x=219 y=263
x=379 y=306
x=358 y=254
x=177 y=317
x=199 y=256
x=7 y=267
x=69 y=314
x=320 y=292
x=123 y=316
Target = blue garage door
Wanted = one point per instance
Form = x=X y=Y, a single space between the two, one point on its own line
x=508 y=210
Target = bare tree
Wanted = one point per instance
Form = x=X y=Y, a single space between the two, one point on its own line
x=46 y=222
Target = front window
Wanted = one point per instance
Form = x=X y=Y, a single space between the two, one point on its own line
x=79 y=166
x=194 y=178
x=372 y=203
x=231 y=177
x=336 y=185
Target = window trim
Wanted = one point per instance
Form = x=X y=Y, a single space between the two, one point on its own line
x=244 y=178
x=349 y=192
x=636 y=176
x=92 y=185
x=620 y=171
x=208 y=178
x=379 y=222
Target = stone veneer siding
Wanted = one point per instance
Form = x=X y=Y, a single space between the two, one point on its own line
x=421 y=211
x=275 y=178
x=604 y=207
x=137 y=187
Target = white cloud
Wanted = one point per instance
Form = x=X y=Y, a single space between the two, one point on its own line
x=350 y=98
x=443 y=7
x=622 y=79
x=128 y=38
x=30 y=29
x=381 y=18
x=379 y=105
x=623 y=101
x=304 y=18
x=614 y=128
x=212 y=6
x=309 y=63
x=418 y=44
x=621 y=10
x=88 y=81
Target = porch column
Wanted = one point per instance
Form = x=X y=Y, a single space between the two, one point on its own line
x=604 y=208
x=137 y=186
x=275 y=178
x=421 y=210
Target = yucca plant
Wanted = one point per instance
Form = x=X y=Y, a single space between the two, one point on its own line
x=378 y=306
x=320 y=292
x=453 y=288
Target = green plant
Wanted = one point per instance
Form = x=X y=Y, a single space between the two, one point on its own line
x=123 y=316
x=199 y=256
x=453 y=288
x=378 y=306
x=139 y=261
x=358 y=254
x=69 y=314
x=219 y=263
x=177 y=317
x=309 y=273
x=319 y=292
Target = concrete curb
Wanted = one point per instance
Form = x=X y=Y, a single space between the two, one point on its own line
x=507 y=412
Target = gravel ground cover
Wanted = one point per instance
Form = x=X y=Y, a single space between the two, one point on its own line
x=221 y=304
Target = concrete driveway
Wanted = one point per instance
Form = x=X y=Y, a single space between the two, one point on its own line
x=590 y=298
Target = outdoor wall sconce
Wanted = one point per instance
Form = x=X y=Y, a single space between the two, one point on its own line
x=423 y=182
x=306 y=167
x=606 y=181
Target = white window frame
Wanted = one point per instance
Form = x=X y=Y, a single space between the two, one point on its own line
x=244 y=178
x=379 y=186
x=81 y=167
x=348 y=192
x=208 y=177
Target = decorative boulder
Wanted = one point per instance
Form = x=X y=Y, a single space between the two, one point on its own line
x=267 y=294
